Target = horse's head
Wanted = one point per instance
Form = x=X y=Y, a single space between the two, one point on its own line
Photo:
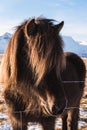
x=47 y=62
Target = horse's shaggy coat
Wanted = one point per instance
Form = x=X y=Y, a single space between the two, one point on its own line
x=34 y=72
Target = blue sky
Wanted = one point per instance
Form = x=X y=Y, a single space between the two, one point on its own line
x=72 y=12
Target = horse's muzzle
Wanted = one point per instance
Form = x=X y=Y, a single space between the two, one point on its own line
x=58 y=108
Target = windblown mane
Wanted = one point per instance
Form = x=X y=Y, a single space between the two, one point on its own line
x=34 y=49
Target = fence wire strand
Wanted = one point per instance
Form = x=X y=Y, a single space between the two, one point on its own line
x=75 y=81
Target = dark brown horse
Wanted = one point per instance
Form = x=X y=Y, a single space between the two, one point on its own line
x=37 y=77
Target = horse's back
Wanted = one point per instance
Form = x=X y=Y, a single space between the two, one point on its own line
x=74 y=62
x=73 y=78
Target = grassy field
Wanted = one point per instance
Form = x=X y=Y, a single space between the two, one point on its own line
x=83 y=105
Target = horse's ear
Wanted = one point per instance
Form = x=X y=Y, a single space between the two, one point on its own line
x=30 y=27
x=59 y=26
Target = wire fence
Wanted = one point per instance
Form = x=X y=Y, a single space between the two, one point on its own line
x=36 y=126
x=21 y=112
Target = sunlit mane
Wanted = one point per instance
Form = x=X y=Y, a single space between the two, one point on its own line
x=37 y=45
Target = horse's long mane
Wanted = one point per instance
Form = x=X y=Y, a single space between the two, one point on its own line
x=34 y=49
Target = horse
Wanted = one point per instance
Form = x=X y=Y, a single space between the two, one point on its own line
x=39 y=78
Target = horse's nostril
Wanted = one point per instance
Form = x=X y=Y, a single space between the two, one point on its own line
x=57 y=109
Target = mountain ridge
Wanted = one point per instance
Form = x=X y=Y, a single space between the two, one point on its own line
x=70 y=44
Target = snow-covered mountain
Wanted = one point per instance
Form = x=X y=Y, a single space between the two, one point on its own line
x=73 y=46
x=83 y=42
x=69 y=45
x=4 y=39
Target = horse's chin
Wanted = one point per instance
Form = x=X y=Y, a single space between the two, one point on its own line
x=48 y=113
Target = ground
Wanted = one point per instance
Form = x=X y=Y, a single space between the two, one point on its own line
x=83 y=108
